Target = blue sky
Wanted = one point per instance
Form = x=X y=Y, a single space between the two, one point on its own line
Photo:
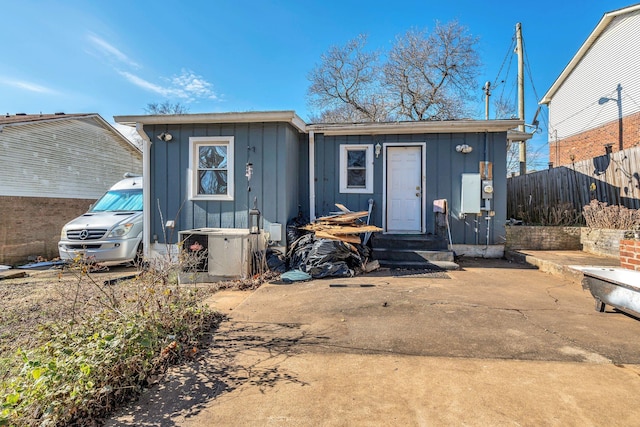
x=114 y=57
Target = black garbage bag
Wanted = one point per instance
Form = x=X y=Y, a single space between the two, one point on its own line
x=324 y=257
x=337 y=269
x=299 y=251
x=276 y=260
x=293 y=228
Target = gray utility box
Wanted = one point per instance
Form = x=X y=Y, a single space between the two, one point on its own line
x=470 y=203
x=229 y=252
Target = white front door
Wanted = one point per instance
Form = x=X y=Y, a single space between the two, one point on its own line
x=404 y=189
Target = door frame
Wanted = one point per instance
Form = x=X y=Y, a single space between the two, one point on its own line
x=423 y=179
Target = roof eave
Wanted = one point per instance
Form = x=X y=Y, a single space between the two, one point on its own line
x=48 y=118
x=453 y=126
x=94 y=116
x=595 y=34
x=119 y=134
x=246 y=117
x=514 y=135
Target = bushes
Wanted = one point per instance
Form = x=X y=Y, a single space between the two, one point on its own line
x=595 y=215
x=563 y=214
x=601 y=215
x=111 y=344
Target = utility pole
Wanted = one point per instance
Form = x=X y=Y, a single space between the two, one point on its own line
x=487 y=93
x=520 y=52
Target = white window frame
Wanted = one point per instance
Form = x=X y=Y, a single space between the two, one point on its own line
x=194 y=143
x=344 y=149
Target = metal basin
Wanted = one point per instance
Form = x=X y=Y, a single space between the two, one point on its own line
x=617 y=287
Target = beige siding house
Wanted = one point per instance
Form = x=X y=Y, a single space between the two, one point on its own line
x=53 y=166
x=594 y=102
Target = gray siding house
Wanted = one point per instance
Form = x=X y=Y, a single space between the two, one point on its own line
x=206 y=172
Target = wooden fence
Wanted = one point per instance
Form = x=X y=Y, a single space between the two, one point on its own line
x=556 y=196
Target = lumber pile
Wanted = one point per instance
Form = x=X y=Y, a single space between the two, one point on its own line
x=344 y=226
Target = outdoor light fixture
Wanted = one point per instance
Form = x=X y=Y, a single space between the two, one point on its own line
x=254 y=218
x=464 y=148
x=604 y=100
x=378 y=149
x=249 y=171
x=165 y=136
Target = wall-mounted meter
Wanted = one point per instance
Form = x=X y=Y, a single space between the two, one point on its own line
x=487 y=189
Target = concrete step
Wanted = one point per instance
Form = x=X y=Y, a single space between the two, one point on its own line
x=417 y=265
x=392 y=254
x=424 y=242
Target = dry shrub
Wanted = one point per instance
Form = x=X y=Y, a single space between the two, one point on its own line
x=109 y=343
x=563 y=214
x=601 y=215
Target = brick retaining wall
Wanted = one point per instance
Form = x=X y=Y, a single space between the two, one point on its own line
x=602 y=241
x=630 y=254
x=30 y=226
x=541 y=238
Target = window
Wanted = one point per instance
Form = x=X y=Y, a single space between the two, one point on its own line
x=356 y=168
x=211 y=167
x=119 y=200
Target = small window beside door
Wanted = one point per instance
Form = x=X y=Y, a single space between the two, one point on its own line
x=356 y=168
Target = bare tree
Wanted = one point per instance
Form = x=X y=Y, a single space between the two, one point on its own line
x=344 y=113
x=429 y=76
x=166 y=107
x=426 y=76
x=504 y=108
x=347 y=83
x=536 y=159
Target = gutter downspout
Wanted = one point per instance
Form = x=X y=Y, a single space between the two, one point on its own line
x=312 y=176
x=487 y=201
x=146 y=193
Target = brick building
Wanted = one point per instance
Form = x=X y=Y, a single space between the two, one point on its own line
x=52 y=168
x=592 y=105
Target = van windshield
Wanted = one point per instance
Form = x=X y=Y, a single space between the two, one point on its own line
x=119 y=200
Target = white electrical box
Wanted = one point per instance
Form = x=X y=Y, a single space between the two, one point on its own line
x=471 y=192
x=275 y=232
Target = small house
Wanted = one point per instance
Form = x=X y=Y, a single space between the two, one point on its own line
x=441 y=184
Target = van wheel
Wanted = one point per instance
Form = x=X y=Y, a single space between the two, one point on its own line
x=138 y=260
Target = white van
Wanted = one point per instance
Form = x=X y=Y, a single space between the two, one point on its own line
x=111 y=231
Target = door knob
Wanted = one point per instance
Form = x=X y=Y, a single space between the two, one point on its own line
x=417 y=194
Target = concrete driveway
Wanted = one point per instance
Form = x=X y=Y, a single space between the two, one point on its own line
x=496 y=343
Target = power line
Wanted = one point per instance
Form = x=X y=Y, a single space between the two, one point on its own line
x=509 y=55
x=500 y=100
x=528 y=65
